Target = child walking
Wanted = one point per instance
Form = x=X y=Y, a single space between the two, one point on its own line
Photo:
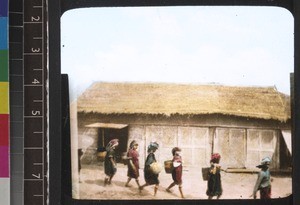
x=263 y=182
x=133 y=163
x=110 y=165
x=150 y=176
x=214 y=185
x=177 y=170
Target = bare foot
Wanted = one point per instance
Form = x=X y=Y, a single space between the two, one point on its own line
x=105 y=182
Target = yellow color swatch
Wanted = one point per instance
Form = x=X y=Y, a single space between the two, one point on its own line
x=4 y=98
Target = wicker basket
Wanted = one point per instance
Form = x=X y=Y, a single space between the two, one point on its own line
x=101 y=153
x=205 y=171
x=168 y=166
x=101 y=156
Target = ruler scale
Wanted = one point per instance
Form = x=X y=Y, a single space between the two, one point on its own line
x=34 y=55
x=27 y=100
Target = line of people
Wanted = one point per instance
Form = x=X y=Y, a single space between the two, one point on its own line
x=152 y=169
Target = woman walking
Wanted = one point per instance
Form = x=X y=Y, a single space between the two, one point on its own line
x=110 y=165
x=263 y=182
x=150 y=174
x=133 y=163
x=214 y=185
x=177 y=170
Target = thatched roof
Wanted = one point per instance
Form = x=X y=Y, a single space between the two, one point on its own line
x=191 y=99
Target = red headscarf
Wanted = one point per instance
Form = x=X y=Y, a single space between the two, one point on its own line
x=215 y=157
x=112 y=143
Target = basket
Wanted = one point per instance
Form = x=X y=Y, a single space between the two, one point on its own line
x=205 y=172
x=155 y=168
x=101 y=154
x=168 y=166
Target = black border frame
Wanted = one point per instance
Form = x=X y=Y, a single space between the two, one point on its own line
x=59 y=151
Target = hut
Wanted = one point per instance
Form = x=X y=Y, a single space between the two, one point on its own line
x=243 y=124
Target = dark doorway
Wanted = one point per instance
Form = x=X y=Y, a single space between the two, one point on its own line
x=107 y=134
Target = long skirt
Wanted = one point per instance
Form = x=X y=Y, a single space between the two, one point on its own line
x=265 y=193
x=177 y=175
x=214 y=185
x=133 y=173
x=150 y=177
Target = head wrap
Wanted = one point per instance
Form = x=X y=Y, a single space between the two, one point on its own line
x=153 y=146
x=112 y=143
x=133 y=142
x=265 y=162
x=175 y=149
x=215 y=157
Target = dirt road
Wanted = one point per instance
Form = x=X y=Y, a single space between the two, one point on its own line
x=235 y=186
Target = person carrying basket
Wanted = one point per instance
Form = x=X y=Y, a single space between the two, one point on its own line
x=151 y=169
x=177 y=170
x=110 y=164
x=214 y=185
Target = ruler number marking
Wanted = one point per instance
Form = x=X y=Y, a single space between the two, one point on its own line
x=35 y=19
x=37 y=176
x=35 y=50
x=35 y=81
x=35 y=112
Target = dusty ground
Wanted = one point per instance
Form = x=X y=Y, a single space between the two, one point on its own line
x=235 y=186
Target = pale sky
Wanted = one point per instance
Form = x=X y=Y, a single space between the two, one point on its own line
x=244 y=46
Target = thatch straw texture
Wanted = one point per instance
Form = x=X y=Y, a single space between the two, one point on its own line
x=190 y=99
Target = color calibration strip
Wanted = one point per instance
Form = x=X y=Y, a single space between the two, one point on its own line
x=4 y=106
